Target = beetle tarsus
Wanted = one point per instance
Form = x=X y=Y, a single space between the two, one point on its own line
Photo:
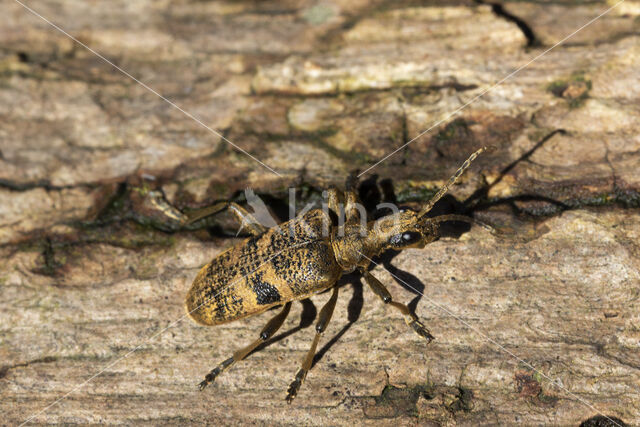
x=420 y=329
x=211 y=376
x=295 y=385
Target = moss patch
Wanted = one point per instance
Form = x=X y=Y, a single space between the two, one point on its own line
x=395 y=401
x=575 y=89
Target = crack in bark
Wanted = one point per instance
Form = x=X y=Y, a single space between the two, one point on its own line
x=336 y=91
x=43 y=183
x=4 y=370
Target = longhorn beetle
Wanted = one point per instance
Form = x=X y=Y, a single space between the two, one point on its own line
x=296 y=259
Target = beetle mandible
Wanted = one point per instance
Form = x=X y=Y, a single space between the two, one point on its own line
x=302 y=257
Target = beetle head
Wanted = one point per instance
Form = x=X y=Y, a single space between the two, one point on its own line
x=402 y=230
x=407 y=229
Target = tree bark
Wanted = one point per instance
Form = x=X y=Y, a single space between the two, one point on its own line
x=536 y=324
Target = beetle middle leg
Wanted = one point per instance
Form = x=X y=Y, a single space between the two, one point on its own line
x=267 y=332
x=379 y=289
x=323 y=320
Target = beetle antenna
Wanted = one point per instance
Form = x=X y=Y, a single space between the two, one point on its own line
x=452 y=181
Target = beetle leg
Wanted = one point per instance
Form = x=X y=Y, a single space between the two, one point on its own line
x=323 y=321
x=333 y=202
x=355 y=215
x=351 y=212
x=247 y=220
x=160 y=202
x=267 y=332
x=379 y=289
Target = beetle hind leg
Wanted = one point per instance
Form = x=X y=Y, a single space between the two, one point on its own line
x=323 y=320
x=267 y=332
x=246 y=219
x=211 y=376
x=414 y=323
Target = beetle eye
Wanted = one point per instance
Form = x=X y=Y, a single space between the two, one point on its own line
x=411 y=237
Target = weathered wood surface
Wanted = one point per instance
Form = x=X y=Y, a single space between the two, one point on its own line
x=90 y=272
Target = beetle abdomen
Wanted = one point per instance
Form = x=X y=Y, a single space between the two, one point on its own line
x=283 y=264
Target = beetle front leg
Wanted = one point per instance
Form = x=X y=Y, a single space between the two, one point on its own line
x=351 y=207
x=333 y=202
x=379 y=289
x=267 y=332
x=323 y=321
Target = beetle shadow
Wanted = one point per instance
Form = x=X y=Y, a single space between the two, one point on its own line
x=479 y=199
x=354 y=309
x=309 y=313
x=307 y=316
x=372 y=192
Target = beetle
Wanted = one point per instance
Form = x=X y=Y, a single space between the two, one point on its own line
x=300 y=258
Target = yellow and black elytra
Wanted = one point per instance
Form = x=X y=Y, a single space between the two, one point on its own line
x=302 y=257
